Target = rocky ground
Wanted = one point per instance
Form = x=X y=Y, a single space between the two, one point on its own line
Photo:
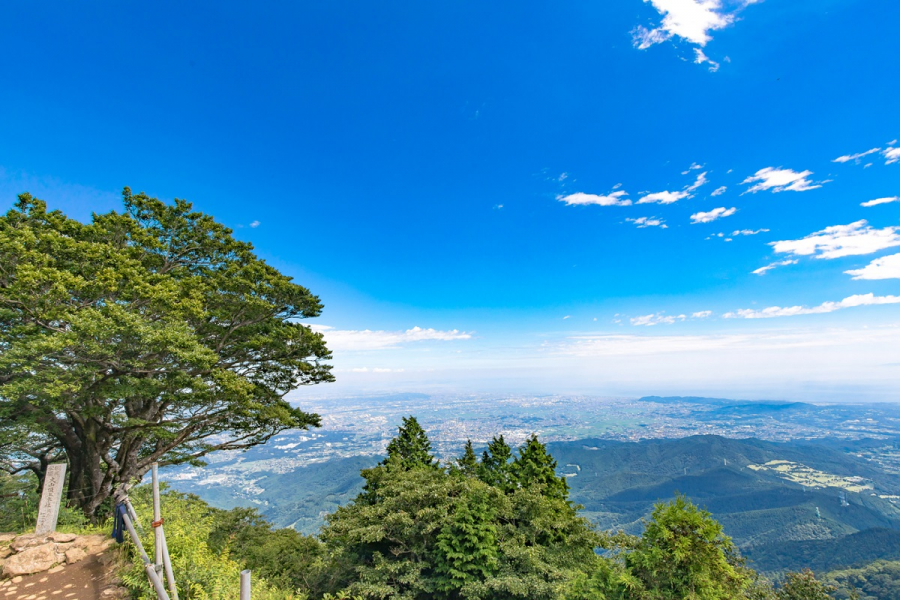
x=58 y=565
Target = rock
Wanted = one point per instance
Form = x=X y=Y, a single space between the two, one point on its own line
x=4 y=552
x=62 y=538
x=113 y=593
x=73 y=555
x=7 y=537
x=30 y=560
x=27 y=541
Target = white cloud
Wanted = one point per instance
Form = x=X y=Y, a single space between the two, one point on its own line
x=672 y=197
x=656 y=319
x=254 y=224
x=339 y=339
x=891 y=155
x=700 y=58
x=664 y=197
x=855 y=157
x=709 y=217
x=567 y=317
x=878 y=201
x=702 y=314
x=579 y=199
x=691 y=20
x=748 y=231
x=693 y=167
x=825 y=307
x=767 y=268
x=719 y=191
x=841 y=240
x=780 y=180
x=886 y=267
x=701 y=179
x=643 y=222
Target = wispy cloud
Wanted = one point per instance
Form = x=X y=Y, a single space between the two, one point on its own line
x=693 y=167
x=878 y=201
x=841 y=240
x=348 y=339
x=703 y=314
x=891 y=155
x=656 y=319
x=701 y=180
x=643 y=222
x=780 y=180
x=886 y=267
x=774 y=265
x=855 y=157
x=700 y=58
x=737 y=232
x=825 y=307
x=254 y=224
x=672 y=197
x=719 y=191
x=616 y=198
x=709 y=217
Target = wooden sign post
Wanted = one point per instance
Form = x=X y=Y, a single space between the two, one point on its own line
x=48 y=510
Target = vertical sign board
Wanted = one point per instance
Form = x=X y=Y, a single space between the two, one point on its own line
x=48 y=511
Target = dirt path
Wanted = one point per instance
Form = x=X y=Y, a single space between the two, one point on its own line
x=85 y=580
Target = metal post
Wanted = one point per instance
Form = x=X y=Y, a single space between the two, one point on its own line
x=152 y=575
x=157 y=531
x=167 y=563
x=134 y=517
x=245 y=584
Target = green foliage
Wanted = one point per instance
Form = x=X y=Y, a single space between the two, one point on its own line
x=283 y=557
x=411 y=448
x=467 y=464
x=150 y=335
x=684 y=554
x=466 y=548
x=877 y=581
x=421 y=532
x=534 y=466
x=804 y=586
x=495 y=469
x=202 y=571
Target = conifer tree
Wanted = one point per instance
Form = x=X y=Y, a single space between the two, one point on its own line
x=495 y=467
x=411 y=448
x=467 y=464
x=534 y=465
x=466 y=547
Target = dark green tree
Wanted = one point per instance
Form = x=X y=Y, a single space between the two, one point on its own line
x=535 y=466
x=466 y=548
x=467 y=464
x=150 y=335
x=495 y=468
x=683 y=554
x=804 y=586
x=411 y=448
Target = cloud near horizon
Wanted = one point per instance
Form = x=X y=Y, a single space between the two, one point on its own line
x=825 y=307
x=351 y=340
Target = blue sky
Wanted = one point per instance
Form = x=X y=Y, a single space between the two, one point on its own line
x=511 y=196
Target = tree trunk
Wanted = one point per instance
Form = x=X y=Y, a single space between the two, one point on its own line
x=89 y=483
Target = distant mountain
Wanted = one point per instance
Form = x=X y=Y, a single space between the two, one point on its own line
x=762 y=508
